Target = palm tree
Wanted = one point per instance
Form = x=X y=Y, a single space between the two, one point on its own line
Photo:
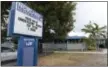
x=95 y=31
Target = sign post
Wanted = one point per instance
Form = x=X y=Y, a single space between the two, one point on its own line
x=27 y=51
x=28 y=25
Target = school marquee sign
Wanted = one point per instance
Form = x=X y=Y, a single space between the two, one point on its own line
x=25 y=21
x=28 y=25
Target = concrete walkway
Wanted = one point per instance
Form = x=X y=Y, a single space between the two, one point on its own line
x=104 y=51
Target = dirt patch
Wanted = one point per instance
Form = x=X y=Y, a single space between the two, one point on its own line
x=66 y=59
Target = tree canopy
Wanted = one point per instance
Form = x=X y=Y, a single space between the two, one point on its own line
x=58 y=16
x=95 y=32
x=5 y=6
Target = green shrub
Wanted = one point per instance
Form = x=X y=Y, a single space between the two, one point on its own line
x=91 y=48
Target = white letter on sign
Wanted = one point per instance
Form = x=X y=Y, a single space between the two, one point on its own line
x=29 y=43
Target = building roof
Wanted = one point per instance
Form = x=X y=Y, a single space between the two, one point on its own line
x=75 y=37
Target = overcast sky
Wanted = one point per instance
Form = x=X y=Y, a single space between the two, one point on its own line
x=86 y=11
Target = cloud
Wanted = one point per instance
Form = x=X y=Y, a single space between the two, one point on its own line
x=86 y=11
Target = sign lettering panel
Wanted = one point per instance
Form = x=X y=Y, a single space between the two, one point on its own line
x=26 y=20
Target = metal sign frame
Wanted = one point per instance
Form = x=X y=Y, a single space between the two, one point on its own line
x=21 y=51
